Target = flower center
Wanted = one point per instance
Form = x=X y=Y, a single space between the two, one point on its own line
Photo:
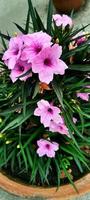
x=50 y=110
x=47 y=62
x=16 y=52
x=48 y=146
x=21 y=68
x=61 y=128
x=38 y=49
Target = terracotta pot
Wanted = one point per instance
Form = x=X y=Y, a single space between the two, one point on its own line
x=63 y=193
x=68 y=5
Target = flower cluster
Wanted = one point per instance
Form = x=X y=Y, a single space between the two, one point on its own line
x=34 y=53
x=62 y=20
x=50 y=116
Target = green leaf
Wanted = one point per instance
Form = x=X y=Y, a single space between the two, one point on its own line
x=39 y=21
x=68 y=175
x=29 y=157
x=19 y=120
x=27 y=23
x=78 y=164
x=42 y=172
x=78 y=49
x=33 y=16
x=20 y=28
x=49 y=17
x=34 y=170
x=80 y=67
x=13 y=160
x=7 y=37
x=58 y=172
x=74 y=127
x=22 y=152
x=32 y=137
x=24 y=98
x=75 y=32
x=9 y=157
x=58 y=91
x=3 y=43
x=36 y=90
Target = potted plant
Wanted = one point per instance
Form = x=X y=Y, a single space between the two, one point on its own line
x=68 y=5
x=44 y=108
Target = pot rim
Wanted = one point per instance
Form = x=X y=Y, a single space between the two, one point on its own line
x=65 y=192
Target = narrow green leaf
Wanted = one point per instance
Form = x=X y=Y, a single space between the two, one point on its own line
x=80 y=67
x=7 y=37
x=20 y=28
x=33 y=16
x=19 y=120
x=39 y=21
x=58 y=172
x=29 y=157
x=49 y=17
x=24 y=96
x=36 y=90
x=3 y=43
x=22 y=152
x=43 y=173
x=27 y=23
x=58 y=91
x=32 y=137
x=68 y=176
x=78 y=164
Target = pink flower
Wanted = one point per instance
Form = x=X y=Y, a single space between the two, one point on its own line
x=66 y=20
x=83 y=96
x=57 y=19
x=88 y=86
x=74 y=120
x=81 y=40
x=47 y=63
x=47 y=148
x=33 y=44
x=20 y=69
x=13 y=53
x=59 y=127
x=63 y=20
x=47 y=112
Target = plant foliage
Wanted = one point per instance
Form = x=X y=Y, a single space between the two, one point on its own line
x=20 y=129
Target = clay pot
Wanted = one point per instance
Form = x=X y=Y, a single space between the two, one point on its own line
x=63 y=193
x=65 y=6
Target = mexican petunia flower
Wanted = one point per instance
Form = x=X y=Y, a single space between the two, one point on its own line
x=59 y=127
x=20 y=68
x=62 y=20
x=12 y=55
x=47 y=148
x=81 y=40
x=88 y=86
x=47 y=112
x=74 y=120
x=33 y=44
x=83 y=96
x=47 y=63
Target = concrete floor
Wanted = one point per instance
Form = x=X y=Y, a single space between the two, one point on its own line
x=15 y=11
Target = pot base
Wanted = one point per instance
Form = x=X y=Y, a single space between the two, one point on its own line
x=63 y=193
